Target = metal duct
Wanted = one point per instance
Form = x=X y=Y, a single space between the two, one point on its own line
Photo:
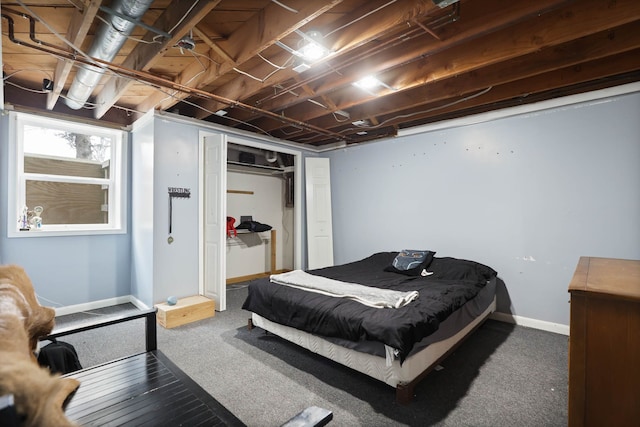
x=108 y=41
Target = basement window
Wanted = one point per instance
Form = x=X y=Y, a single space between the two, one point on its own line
x=66 y=178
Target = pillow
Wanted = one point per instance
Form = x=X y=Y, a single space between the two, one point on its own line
x=411 y=262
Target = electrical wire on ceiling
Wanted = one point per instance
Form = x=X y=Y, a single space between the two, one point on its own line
x=152 y=80
x=193 y=104
x=413 y=32
x=23 y=87
x=89 y=105
x=183 y=17
x=194 y=53
x=279 y=67
x=335 y=116
x=198 y=74
x=284 y=6
x=348 y=24
x=46 y=73
x=61 y=54
x=75 y=48
x=417 y=113
x=268 y=76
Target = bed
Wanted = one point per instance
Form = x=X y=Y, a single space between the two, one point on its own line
x=398 y=346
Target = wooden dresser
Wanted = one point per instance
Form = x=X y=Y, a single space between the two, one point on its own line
x=604 y=343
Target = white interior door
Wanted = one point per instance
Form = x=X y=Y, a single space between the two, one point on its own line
x=319 y=225
x=214 y=152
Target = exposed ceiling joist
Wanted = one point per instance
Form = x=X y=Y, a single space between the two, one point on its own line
x=239 y=63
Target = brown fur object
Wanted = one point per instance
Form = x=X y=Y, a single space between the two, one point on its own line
x=39 y=396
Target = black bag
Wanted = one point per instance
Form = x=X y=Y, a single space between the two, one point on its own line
x=254 y=226
x=60 y=357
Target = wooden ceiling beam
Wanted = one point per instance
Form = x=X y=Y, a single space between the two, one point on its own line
x=550 y=29
x=621 y=42
x=474 y=23
x=612 y=43
x=590 y=75
x=179 y=17
x=77 y=31
x=212 y=45
x=355 y=29
x=255 y=35
x=477 y=19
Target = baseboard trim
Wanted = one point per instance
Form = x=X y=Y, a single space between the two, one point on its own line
x=239 y=279
x=556 y=328
x=78 y=308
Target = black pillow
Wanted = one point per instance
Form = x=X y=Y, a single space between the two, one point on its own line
x=411 y=262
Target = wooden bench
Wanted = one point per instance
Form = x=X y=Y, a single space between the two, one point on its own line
x=141 y=389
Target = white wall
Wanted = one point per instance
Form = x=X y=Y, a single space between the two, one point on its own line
x=527 y=195
x=142 y=156
x=251 y=253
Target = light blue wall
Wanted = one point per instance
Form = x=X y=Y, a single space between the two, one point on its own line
x=64 y=270
x=527 y=195
x=165 y=154
x=176 y=165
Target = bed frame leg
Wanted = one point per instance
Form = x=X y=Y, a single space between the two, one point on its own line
x=404 y=393
x=250 y=324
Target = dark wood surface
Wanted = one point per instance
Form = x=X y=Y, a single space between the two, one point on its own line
x=604 y=343
x=146 y=389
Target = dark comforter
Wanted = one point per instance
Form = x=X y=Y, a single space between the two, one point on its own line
x=452 y=284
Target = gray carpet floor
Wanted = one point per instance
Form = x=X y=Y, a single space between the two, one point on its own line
x=503 y=375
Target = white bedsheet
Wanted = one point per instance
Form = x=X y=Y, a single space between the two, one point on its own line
x=367 y=295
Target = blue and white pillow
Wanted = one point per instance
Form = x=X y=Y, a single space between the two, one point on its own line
x=411 y=262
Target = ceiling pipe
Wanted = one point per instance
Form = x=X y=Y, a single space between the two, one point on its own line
x=151 y=79
x=109 y=39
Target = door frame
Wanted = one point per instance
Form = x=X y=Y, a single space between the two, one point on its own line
x=203 y=286
x=297 y=220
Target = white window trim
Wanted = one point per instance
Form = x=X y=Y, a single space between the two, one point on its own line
x=17 y=178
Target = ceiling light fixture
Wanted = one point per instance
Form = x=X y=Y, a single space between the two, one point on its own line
x=311 y=46
x=186 y=43
x=310 y=49
x=369 y=83
x=221 y=113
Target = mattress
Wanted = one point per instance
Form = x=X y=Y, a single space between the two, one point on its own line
x=456 y=321
x=375 y=366
x=449 y=286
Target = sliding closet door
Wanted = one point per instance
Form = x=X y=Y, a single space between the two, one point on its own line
x=214 y=185
x=319 y=225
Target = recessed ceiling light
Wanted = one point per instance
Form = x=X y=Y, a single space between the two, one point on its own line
x=311 y=47
x=368 y=82
x=312 y=51
x=221 y=113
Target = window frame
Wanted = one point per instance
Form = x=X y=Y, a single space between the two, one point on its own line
x=17 y=179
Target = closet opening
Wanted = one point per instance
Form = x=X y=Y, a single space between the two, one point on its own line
x=262 y=216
